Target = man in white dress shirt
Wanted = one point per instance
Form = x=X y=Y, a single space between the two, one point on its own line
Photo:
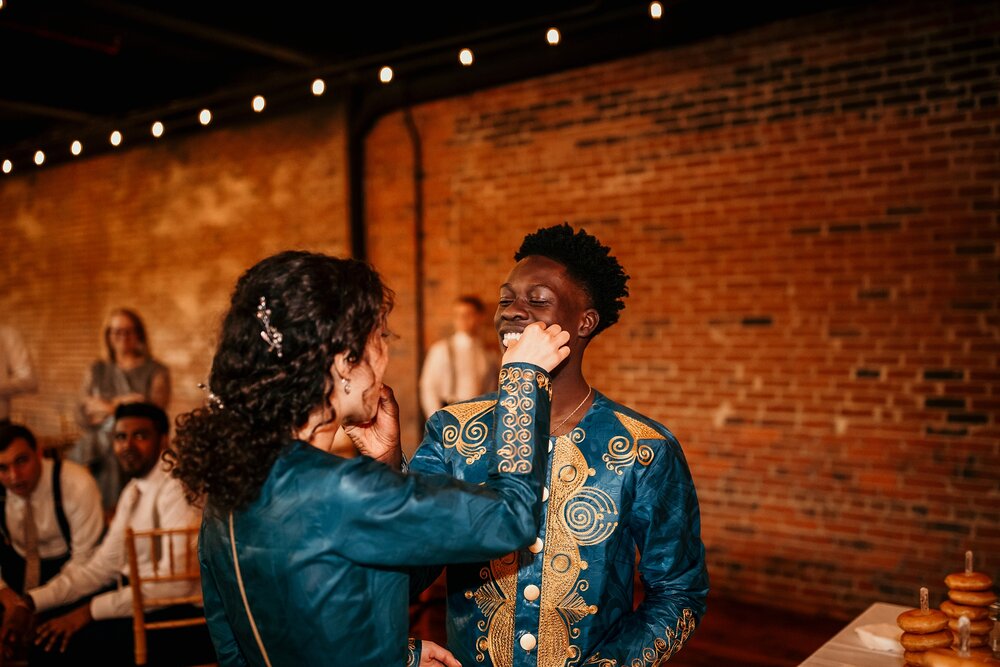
x=460 y=366
x=17 y=375
x=63 y=503
x=102 y=628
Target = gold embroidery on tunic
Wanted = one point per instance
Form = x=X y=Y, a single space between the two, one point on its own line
x=577 y=515
x=625 y=451
x=411 y=657
x=662 y=649
x=516 y=417
x=497 y=599
x=470 y=433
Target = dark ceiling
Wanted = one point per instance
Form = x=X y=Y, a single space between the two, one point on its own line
x=77 y=70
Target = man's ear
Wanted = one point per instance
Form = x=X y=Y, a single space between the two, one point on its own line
x=588 y=323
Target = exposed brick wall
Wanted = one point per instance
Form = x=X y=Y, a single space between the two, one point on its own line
x=165 y=229
x=809 y=212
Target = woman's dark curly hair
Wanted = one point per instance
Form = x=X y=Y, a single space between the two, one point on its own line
x=322 y=306
x=588 y=262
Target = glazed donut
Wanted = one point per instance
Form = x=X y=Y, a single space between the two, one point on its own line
x=921 y=622
x=968 y=581
x=981 y=627
x=973 y=598
x=956 y=611
x=914 y=642
x=947 y=658
x=974 y=640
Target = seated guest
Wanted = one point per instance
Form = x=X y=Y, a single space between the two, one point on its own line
x=102 y=628
x=51 y=517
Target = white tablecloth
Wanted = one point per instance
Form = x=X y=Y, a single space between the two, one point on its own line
x=846 y=650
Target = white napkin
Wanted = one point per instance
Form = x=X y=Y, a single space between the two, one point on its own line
x=881 y=637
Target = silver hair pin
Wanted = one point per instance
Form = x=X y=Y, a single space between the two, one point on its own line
x=210 y=395
x=270 y=334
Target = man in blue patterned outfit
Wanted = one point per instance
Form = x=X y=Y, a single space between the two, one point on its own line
x=617 y=482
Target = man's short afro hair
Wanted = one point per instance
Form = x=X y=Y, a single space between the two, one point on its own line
x=588 y=262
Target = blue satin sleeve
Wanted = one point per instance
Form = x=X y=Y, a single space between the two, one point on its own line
x=226 y=647
x=428 y=460
x=665 y=524
x=373 y=515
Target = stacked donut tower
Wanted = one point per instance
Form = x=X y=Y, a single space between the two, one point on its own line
x=970 y=595
x=923 y=629
x=950 y=637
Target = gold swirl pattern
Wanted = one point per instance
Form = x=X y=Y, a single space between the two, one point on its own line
x=496 y=599
x=516 y=418
x=470 y=433
x=625 y=451
x=411 y=655
x=577 y=515
x=662 y=649
x=591 y=515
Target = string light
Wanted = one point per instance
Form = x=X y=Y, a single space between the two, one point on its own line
x=318 y=87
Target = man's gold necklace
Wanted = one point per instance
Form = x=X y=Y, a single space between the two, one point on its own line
x=577 y=409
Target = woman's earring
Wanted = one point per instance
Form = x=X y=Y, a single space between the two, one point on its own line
x=346 y=384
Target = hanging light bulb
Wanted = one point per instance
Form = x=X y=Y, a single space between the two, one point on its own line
x=39 y=158
x=655 y=10
x=8 y=166
x=258 y=103
x=553 y=36
x=318 y=87
x=385 y=74
x=205 y=117
x=115 y=138
x=465 y=57
x=75 y=148
x=157 y=129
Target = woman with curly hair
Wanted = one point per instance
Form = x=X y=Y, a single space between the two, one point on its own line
x=303 y=550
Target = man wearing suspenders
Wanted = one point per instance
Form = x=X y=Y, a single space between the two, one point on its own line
x=50 y=515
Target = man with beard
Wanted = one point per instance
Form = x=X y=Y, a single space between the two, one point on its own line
x=101 y=629
x=617 y=483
